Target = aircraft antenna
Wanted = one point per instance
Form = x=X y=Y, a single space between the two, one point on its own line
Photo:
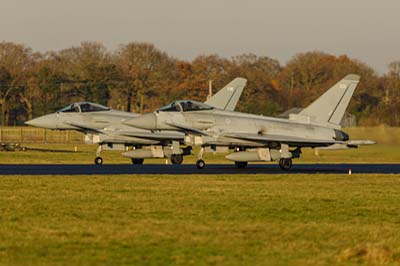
x=210 y=93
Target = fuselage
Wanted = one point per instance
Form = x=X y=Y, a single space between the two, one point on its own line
x=217 y=124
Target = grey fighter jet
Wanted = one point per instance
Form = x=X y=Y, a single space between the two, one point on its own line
x=257 y=138
x=104 y=126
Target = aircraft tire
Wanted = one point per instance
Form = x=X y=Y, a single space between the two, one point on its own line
x=98 y=160
x=285 y=163
x=176 y=159
x=241 y=165
x=200 y=164
x=137 y=161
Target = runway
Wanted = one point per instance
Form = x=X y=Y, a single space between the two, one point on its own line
x=188 y=169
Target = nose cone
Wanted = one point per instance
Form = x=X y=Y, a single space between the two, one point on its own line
x=146 y=121
x=46 y=121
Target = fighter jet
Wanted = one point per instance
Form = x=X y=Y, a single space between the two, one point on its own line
x=104 y=126
x=257 y=138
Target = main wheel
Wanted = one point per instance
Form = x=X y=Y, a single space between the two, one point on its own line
x=241 y=164
x=98 y=160
x=200 y=164
x=137 y=161
x=285 y=163
x=176 y=158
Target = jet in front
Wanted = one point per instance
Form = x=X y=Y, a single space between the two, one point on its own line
x=105 y=127
x=257 y=138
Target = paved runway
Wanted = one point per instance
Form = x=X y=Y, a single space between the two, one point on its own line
x=186 y=169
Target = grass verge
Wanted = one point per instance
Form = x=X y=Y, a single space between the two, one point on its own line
x=200 y=220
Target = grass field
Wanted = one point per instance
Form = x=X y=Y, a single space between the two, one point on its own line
x=200 y=220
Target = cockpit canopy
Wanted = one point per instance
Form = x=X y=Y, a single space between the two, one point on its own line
x=185 y=106
x=83 y=107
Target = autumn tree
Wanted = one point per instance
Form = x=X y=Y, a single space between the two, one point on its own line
x=145 y=69
x=49 y=81
x=308 y=75
x=261 y=95
x=90 y=71
x=389 y=106
x=206 y=68
x=16 y=62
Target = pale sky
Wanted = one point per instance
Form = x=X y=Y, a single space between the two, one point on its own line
x=368 y=30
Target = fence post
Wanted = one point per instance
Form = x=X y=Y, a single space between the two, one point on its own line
x=20 y=135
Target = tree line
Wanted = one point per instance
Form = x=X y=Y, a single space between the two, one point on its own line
x=139 y=77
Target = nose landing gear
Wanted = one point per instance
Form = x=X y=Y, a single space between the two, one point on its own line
x=200 y=164
x=98 y=160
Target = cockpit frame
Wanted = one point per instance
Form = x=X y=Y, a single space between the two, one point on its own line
x=83 y=107
x=185 y=106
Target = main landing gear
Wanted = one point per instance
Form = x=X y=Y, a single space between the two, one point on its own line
x=285 y=163
x=176 y=158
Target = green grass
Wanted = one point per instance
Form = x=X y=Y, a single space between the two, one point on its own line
x=64 y=153
x=200 y=220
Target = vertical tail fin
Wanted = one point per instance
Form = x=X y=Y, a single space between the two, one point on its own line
x=228 y=97
x=331 y=106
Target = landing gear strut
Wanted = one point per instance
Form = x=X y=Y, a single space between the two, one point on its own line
x=285 y=163
x=176 y=158
x=98 y=160
x=137 y=161
x=241 y=164
x=200 y=163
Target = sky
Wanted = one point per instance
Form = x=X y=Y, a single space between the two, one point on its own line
x=367 y=30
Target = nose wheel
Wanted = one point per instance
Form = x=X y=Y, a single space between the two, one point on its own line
x=200 y=164
x=98 y=160
x=285 y=163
